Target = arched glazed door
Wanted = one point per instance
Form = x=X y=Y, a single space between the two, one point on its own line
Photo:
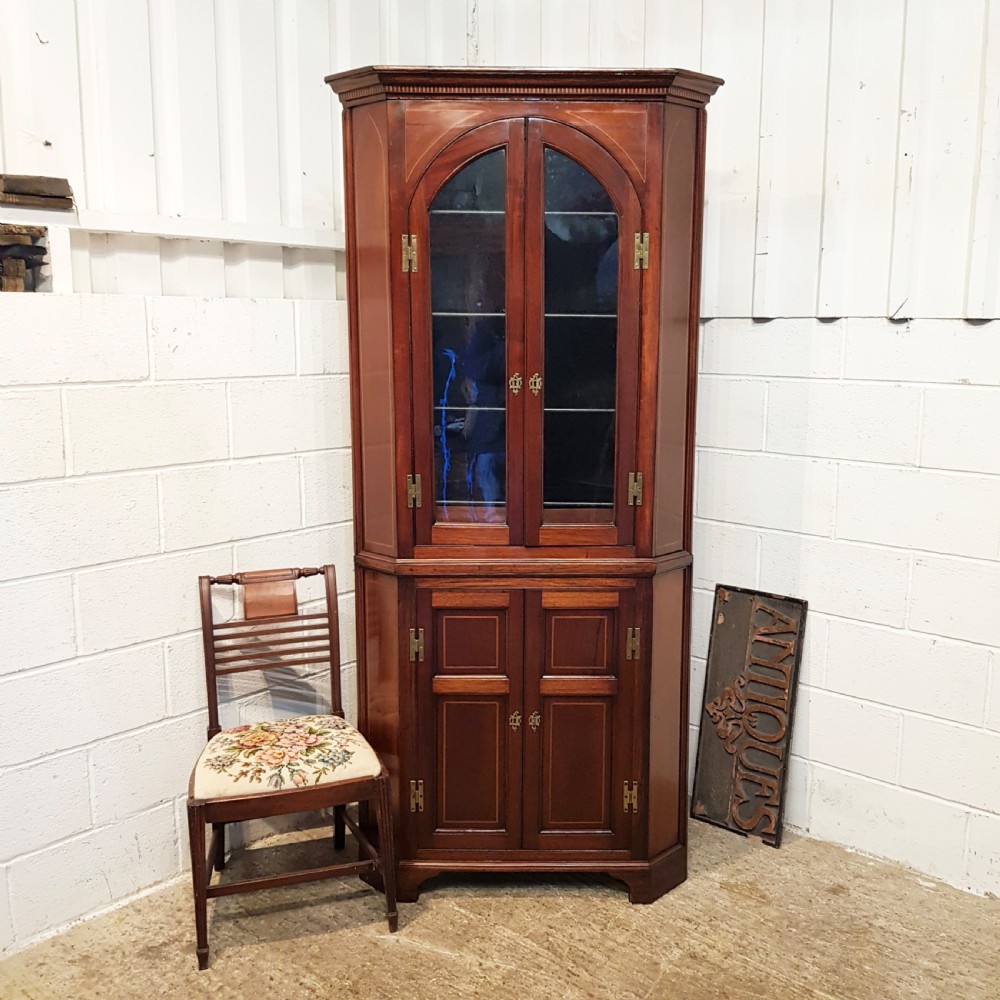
x=525 y=339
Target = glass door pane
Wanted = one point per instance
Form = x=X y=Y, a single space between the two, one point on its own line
x=580 y=338
x=468 y=343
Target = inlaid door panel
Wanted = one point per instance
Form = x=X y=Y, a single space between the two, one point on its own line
x=578 y=694
x=469 y=720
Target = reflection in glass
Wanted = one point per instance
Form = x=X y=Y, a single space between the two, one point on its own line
x=581 y=327
x=468 y=343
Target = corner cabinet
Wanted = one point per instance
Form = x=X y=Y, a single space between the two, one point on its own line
x=523 y=252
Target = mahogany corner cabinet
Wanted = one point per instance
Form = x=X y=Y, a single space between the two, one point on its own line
x=523 y=261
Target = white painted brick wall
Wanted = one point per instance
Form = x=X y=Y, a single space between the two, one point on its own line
x=221 y=338
x=58 y=793
x=74 y=338
x=38 y=623
x=804 y=499
x=32 y=436
x=316 y=415
x=146 y=441
x=154 y=425
x=872 y=423
x=6 y=924
x=89 y=873
x=76 y=522
x=983 y=858
x=889 y=525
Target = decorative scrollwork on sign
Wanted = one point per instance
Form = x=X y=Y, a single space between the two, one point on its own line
x=727 y=713
x=752 y=665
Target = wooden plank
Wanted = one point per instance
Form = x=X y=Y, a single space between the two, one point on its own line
x=937 y=158
x=866 y=51
x=565 y=33
x=790 y=192
x=39 y=134
x=117 y=105
x=672 y=34
x=733 y=47
x=982 y=298
x=746 y=720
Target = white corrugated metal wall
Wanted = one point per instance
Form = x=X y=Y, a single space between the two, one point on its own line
x=854 y=154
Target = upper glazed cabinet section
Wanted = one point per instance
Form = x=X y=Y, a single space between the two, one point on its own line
x=524 y=324
x=522 y=216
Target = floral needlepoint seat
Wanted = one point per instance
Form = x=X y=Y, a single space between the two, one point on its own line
x=290 y=753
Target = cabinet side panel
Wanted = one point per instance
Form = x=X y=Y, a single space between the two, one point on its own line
x=676 y=321
x=375 y=437
x=667 y=712
x=379 y=635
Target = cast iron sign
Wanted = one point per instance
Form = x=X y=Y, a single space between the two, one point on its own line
x=753 y=664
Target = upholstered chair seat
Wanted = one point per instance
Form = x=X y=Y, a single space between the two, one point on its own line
x=288 y=753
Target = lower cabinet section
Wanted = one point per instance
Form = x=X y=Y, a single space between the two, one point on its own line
x=523 y=720
x=536 y=727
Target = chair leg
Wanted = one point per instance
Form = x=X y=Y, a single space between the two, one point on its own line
x=338 y=828
x=387 y=849
x=219 y=861
x=199 y=878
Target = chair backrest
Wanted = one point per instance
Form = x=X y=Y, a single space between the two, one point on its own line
x=272 y=632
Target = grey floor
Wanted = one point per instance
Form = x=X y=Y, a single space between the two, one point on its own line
x=806 y=921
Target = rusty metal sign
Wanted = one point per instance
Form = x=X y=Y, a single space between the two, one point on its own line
x=746 y=722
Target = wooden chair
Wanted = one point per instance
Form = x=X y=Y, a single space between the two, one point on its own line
x=286 y=766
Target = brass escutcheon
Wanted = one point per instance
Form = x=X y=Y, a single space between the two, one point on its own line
x=535 y=383
x=534 y=720
x=515 y=383
x=515 y=721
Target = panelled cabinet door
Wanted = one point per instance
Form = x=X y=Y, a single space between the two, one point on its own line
x=468 y=719
x=579 y=695
x=524 y=312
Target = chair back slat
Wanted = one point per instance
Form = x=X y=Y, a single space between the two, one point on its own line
x=272 y=633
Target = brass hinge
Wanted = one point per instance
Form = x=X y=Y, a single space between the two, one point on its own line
x=416 y=645
x=632 y=643
x=629 y=797
x=414 y=495
x=635 y=489
x=416 y=796
x=409 y=253
x=641 y=257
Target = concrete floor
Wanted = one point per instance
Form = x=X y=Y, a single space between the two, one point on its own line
x=807 y=921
